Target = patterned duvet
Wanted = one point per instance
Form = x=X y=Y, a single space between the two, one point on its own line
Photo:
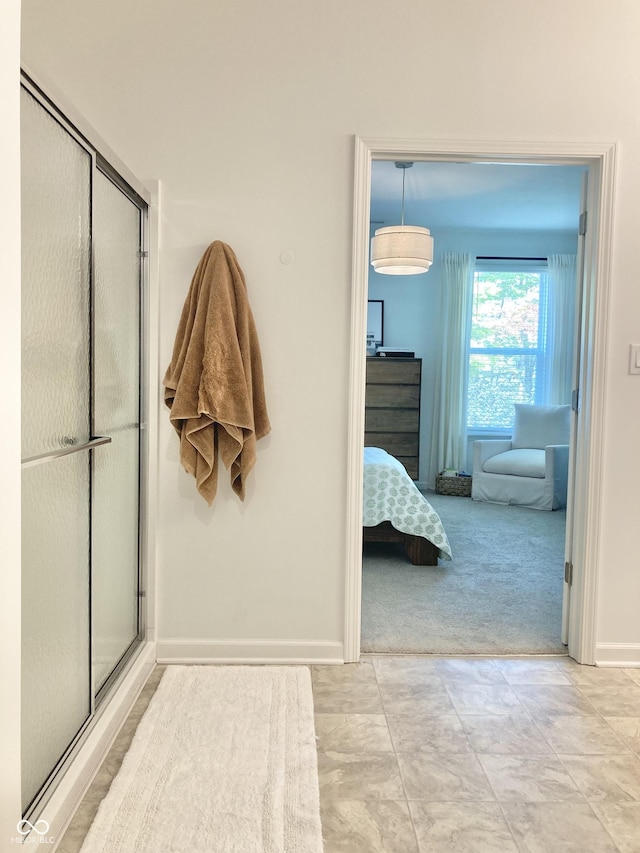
x=391 y=495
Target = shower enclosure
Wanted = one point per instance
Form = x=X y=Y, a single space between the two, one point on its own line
x=83 y=238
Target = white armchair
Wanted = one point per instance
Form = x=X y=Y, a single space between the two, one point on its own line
x=531 y=468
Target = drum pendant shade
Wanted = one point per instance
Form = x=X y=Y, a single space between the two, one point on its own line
x=402 y=249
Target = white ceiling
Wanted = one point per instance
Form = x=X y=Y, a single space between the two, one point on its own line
x=477 y=195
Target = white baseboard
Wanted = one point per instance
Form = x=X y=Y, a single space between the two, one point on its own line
x=181 y=650
x=618 y=654
x=66 y=798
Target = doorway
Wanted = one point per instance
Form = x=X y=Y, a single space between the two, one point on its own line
x=510 y=232
x=83 y=238
x=584 y=507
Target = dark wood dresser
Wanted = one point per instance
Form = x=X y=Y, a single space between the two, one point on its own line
x=392 y=408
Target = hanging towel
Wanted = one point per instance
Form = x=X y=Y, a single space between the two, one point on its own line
x=214 y=385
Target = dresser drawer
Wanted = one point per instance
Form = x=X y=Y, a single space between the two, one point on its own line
x=392 y=420
x=397 y=444
x=393 y=371
x=393 y=396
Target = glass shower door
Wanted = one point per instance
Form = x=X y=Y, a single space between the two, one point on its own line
x=81 y=356
x=116 y=246
x=56 y=685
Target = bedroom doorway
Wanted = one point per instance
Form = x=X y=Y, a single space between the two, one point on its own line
x=583 y=501
x=506 y=235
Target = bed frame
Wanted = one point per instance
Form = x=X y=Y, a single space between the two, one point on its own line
x=419 y=550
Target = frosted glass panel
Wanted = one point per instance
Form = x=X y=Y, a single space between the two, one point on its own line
x=80 y=379
x=116 y=241
x=56 y=686
x=56 y=177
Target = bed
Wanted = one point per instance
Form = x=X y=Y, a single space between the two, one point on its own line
x=396 y=511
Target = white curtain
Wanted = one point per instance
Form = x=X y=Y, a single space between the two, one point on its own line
x=560 y=327
x=449 y=433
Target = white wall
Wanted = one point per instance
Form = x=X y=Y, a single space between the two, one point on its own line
x=10 y=408
x=247 y=112
x=412 y=304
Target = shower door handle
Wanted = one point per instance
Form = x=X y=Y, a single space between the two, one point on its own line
x=30 y=461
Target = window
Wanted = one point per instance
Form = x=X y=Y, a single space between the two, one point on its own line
x=507 y=344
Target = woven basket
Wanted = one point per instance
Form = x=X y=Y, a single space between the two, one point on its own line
x=460 y=486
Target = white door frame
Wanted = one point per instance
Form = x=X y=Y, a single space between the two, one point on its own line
x=600 y=158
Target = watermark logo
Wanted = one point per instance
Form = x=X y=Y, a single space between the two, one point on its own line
x=24 y=827
x=33 y=833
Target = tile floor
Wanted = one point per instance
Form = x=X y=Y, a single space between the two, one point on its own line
x=421 y=754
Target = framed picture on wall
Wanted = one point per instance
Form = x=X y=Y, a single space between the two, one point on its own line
x=375 y=322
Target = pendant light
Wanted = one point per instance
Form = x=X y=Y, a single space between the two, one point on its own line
x=402 y=249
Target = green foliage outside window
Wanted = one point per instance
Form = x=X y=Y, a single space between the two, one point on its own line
x=506 y=351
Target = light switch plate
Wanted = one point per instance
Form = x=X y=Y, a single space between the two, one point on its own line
x=634 y=358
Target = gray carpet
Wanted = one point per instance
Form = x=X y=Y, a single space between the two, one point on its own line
x=500 y=594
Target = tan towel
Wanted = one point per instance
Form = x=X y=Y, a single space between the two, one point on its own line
x=214 y=385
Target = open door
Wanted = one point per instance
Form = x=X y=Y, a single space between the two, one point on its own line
x=578 y=339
